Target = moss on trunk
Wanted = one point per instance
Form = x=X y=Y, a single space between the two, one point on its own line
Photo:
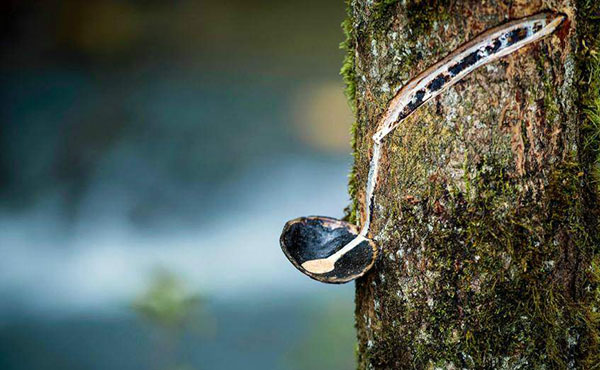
x=488 y=208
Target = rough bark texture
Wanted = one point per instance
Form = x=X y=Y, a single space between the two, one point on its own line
x=487 y=213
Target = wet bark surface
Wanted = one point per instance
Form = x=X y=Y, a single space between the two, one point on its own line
x=487 y=208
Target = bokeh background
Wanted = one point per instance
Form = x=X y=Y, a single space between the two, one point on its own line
x=150 y=153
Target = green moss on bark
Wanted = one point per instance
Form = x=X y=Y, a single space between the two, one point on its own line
x=589 y=59
x=349 y=77
x=422 y=14
x=589 y=87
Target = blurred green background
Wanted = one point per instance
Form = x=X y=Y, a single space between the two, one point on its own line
x=150 y=153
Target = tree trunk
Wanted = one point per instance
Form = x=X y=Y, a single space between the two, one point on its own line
x=487 y=208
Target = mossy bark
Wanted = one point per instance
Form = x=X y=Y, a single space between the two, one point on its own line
x=487 y=210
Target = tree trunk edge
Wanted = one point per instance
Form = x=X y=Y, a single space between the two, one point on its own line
x=444 y=321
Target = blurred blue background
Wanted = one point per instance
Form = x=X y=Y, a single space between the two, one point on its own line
x=150 y=153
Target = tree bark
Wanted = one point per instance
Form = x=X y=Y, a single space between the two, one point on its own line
x=487 y=209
